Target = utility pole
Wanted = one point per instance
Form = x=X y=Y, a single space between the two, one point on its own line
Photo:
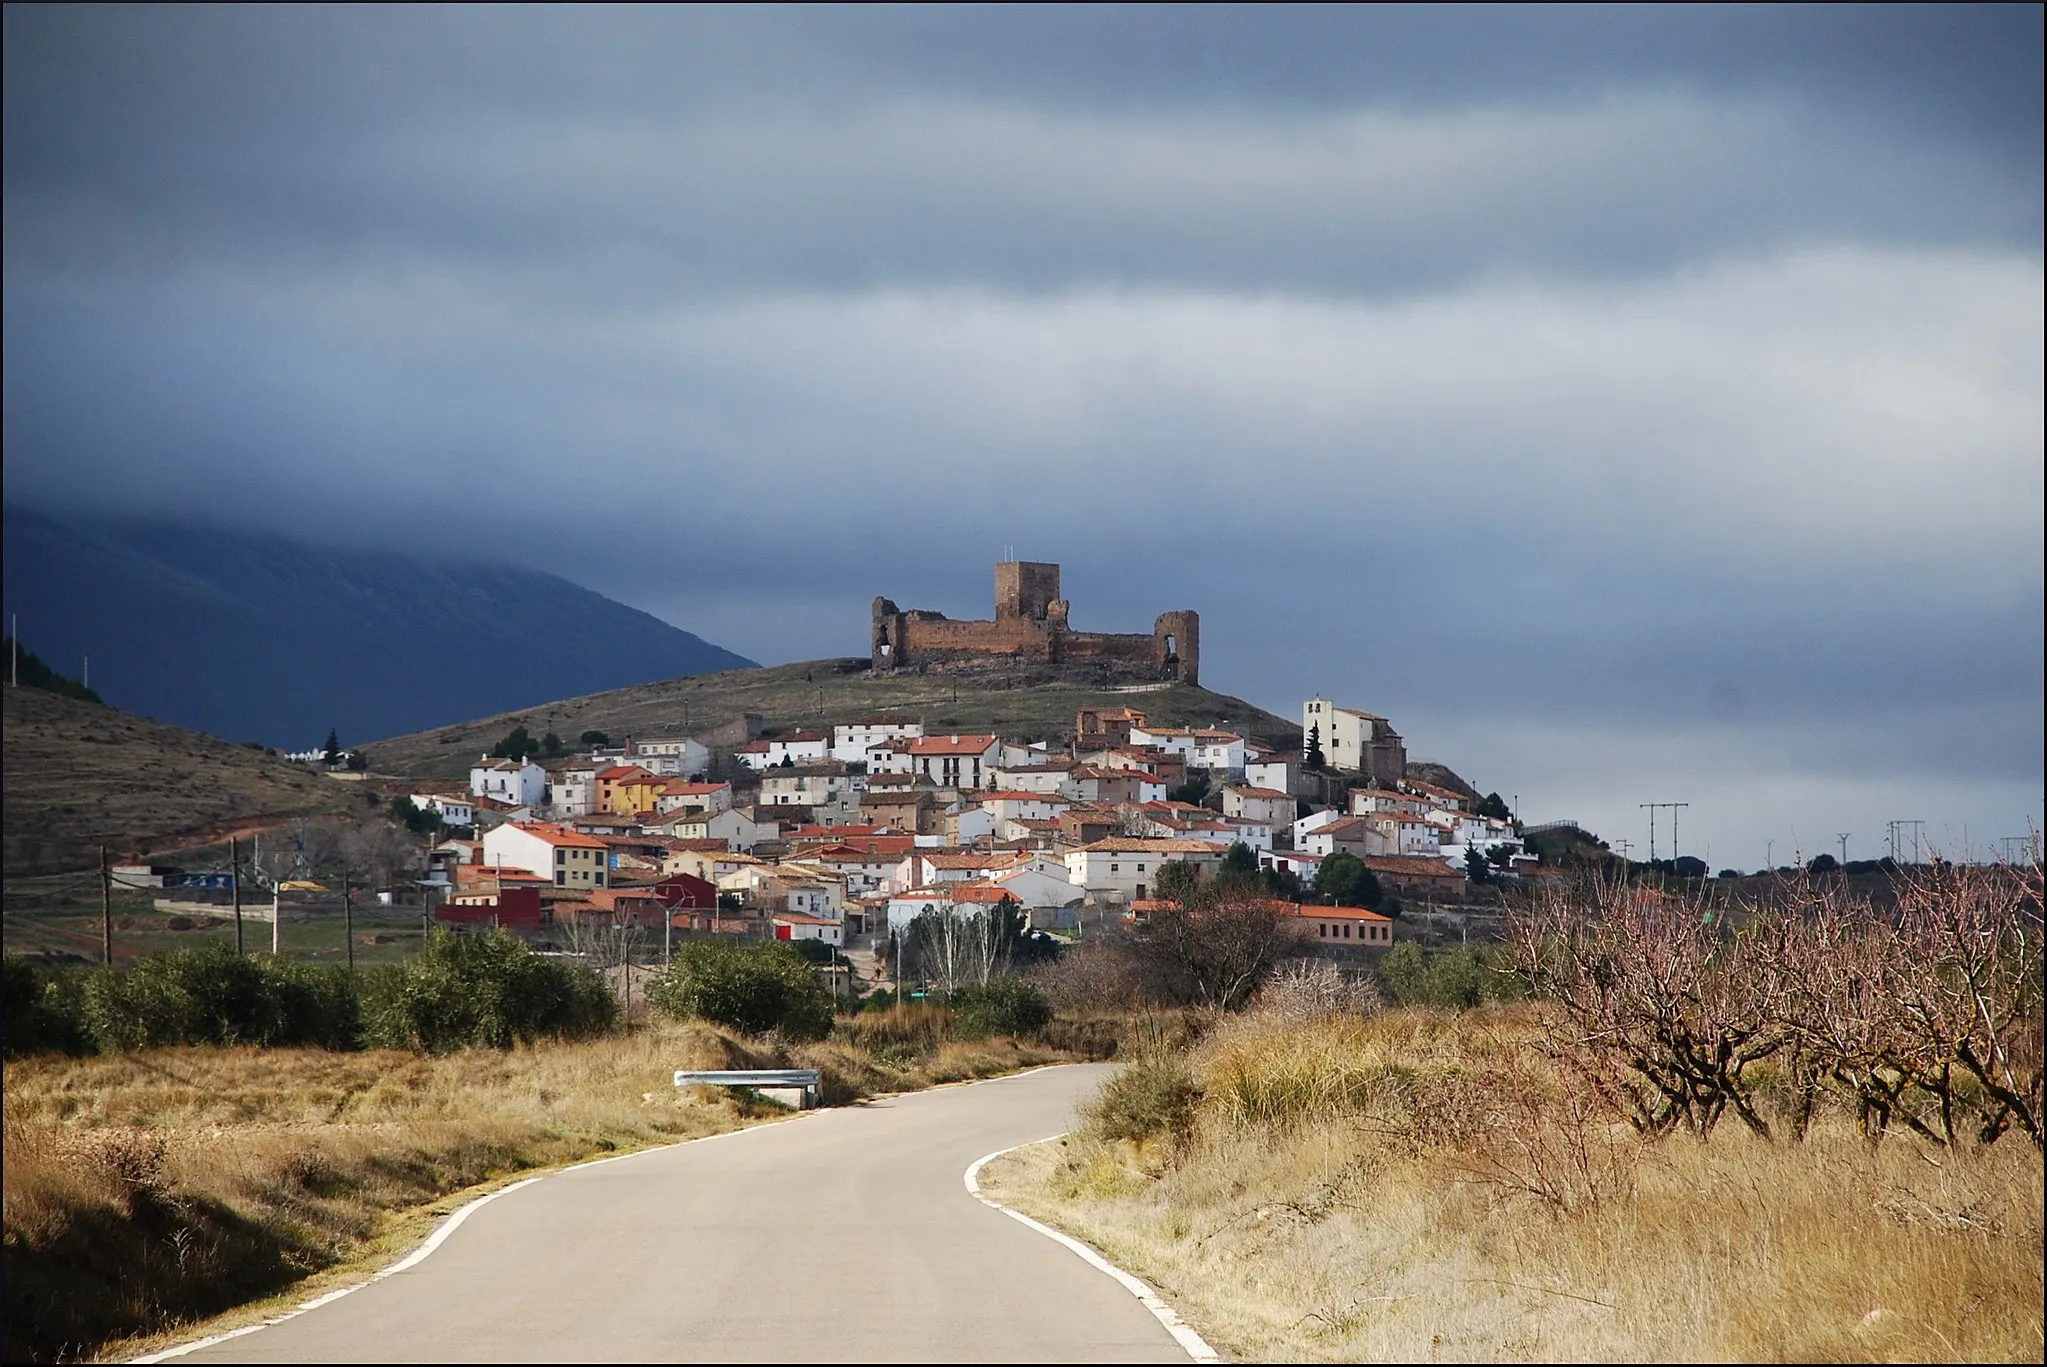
x=14 y=651
x=106 y=910
x=1842 y=836
x=1674 y=808
x=276 y=917
x=87 y=680
x=234 y=883
x=1769 y=861
x=348 y=918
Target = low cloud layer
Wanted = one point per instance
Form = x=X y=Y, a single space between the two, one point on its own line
x=1626 y=426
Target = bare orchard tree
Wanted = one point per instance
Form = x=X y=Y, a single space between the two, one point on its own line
x=387 y=857
x=1660 y=1007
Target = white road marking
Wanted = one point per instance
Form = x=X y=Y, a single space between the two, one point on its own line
x=413 y=1259
x=1196 y=1347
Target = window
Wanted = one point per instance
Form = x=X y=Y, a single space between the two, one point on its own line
x=1115 y=868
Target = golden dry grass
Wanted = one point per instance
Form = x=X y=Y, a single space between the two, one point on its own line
x=148 y=1191
x=1417 y=1187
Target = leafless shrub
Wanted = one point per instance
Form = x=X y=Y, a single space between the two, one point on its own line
x=1307 y=989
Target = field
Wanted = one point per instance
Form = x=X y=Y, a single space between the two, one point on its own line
x=58 y=917
x=81 y=775
x=147 y=1192
x=1034 y=702
x=1413 y=1187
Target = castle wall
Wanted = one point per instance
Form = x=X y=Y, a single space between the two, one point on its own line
x=1030 y=624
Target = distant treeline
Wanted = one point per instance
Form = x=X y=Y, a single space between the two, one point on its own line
x=30 y=670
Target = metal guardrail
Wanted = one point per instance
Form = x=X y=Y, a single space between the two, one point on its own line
x=808 y=1079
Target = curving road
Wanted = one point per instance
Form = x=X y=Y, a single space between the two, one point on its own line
x=843 y=1236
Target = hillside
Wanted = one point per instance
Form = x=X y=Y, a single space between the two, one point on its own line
x=1037 y=703
x=256 y=637
x=78 y=775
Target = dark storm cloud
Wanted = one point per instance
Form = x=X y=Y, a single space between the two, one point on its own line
x=1618 y=397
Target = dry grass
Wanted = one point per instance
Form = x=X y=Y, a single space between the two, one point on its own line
x=151 y=1190
x=1416 y=1187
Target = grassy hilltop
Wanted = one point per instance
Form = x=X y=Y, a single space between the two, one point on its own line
x=1027 y=701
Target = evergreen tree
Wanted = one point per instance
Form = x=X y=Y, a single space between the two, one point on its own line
x=333 y=746
x=1314 y=758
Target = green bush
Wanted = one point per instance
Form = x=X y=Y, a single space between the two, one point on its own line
x=213 y=996
x=1448 y=979
x=1000 y=1006
x=756 y=987
x=480 y=990
x=42 y=1010
x=1150 y=1097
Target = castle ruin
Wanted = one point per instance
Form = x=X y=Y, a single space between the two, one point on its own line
x=1031 y=626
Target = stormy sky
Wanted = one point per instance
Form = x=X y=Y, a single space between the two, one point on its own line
x=1635 y=405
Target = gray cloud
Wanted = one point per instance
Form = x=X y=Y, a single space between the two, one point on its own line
x=1619 y=399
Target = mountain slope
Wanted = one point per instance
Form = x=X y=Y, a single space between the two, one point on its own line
x=259 y=638
x=79 y=775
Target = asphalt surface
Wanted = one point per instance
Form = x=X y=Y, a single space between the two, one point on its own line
x=844 y=1236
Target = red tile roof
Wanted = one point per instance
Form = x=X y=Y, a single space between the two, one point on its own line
x=949 y=745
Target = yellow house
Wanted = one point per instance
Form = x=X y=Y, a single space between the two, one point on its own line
x=627 y=789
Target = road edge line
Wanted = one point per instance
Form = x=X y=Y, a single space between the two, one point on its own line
x=1184 y=1334
x=418 y=1255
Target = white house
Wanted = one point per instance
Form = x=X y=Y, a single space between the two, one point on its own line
x=693 y=797
x=954 y=761
x=455 y=811
x=678 y=755
x=1313 y=822
x=1276 y=773
x=1267 y=805
x=795 y=925
x=516 y=783
x=1127 y=866
x=1023 y=805
x=864 y=871
x=805 y=785
x=1220 y=751
x=565 y=857
x=851 y=740
x=1032 y=887
x=969 y=824
x=1244 y=830
x=1363 y=742
x=738 y=829
x=572 y=790
x=1036 y=777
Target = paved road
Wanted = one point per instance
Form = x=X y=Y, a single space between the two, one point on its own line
x=844 y=1236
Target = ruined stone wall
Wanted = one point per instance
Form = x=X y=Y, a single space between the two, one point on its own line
x=1179 y=635
x=923 y=635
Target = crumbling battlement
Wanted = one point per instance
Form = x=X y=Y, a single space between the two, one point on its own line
x=1031 y=625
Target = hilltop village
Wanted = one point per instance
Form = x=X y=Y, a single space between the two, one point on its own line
x=846 y=832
